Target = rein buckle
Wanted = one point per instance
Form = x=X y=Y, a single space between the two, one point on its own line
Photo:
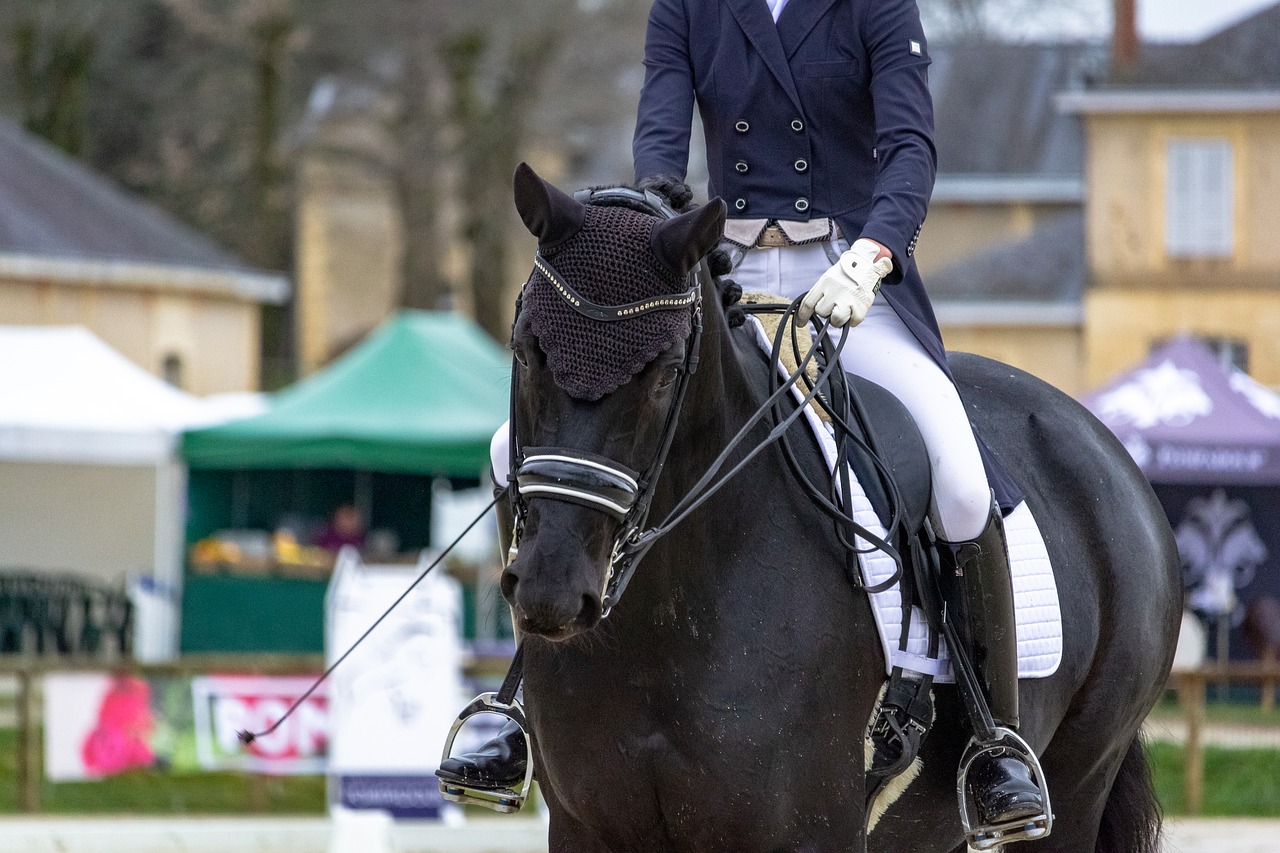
x=502 y=800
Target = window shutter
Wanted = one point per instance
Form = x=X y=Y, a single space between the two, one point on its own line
x=1199 y=198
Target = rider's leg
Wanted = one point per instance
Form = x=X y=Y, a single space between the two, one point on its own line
x=883 y=350
x=501 y=762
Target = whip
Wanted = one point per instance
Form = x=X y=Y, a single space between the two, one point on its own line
x=247 y=737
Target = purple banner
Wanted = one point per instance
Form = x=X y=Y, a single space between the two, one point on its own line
x=402 y=796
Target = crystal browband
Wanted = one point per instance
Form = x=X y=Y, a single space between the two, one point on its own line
x=611 y=313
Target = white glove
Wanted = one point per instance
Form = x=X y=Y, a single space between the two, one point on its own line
x=845 y=292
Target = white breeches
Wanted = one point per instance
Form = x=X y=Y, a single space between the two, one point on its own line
x=884 y=351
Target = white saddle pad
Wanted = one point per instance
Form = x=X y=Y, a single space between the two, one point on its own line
x=1039 y=619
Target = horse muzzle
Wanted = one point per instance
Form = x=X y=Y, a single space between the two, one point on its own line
x=555 y=617
x=554 y=585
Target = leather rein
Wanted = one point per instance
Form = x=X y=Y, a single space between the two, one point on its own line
x=586 y=479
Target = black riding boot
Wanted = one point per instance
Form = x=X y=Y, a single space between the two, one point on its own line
x=501 y=762
x=980 y=599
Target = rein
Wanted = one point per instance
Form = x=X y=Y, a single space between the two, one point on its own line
x=589 y=480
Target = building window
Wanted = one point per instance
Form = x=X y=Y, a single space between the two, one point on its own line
x=171 y=369
x=1199 y=198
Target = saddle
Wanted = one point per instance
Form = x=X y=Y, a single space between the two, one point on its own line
x=881 y=427
x=886 y=428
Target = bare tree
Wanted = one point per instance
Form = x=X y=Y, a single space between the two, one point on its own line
x=190 y=102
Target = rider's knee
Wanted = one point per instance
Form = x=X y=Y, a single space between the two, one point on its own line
x=500 y=454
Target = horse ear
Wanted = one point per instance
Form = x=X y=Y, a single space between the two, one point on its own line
x=549 y=214
x=683 y=241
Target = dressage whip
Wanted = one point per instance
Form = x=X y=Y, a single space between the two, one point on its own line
x=247 y=737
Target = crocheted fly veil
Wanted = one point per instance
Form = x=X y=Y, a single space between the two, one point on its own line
x=611 y=256
x=610 y=263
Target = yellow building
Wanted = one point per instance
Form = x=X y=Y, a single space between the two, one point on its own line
x=1172 y=226
x=77 y=250
x=1182 y=216
x=1001 y=252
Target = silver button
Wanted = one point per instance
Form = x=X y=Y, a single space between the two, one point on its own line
x=802 y=165
x=797 y=125
x=741 y=204
x=741 y=166
x=802 y=204
x=741 y=126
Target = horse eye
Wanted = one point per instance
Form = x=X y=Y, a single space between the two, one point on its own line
x=668 y=376
x=518 y=354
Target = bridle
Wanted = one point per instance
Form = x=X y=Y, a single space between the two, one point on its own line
x=576 y=476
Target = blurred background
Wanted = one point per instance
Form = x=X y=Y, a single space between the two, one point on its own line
x=258 y=260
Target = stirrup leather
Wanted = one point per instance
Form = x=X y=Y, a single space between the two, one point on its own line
x=1005 y=742
x=503 y=800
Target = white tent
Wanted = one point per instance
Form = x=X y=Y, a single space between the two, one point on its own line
x=90 y=482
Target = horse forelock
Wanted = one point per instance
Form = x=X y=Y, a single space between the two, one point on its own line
x=610 y=262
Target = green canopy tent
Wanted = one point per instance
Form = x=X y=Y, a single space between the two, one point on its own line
x=419 y=399
x=422 y=395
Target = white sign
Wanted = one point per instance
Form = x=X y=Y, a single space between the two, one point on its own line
x=228 y=705
x=395 y=697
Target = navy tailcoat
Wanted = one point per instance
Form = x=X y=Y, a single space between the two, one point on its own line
x=826 y=113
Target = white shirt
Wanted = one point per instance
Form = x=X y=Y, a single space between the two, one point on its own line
x=775 y=6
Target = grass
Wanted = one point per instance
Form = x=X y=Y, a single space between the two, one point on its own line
x=159 y=793
x=1237 y=782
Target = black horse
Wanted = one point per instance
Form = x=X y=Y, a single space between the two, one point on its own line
x=722 y=705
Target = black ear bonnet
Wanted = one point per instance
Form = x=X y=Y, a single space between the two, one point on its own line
x=611 y=255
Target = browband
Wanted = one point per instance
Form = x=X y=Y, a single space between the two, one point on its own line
x=612 y=313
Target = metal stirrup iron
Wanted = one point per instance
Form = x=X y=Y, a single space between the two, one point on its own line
x=504 y=704
x=1003 y=741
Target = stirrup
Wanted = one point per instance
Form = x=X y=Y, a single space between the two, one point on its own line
x=503 y=800
x=1004 y=741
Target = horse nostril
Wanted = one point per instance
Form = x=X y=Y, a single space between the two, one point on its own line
x=589 y=615
x=508 y=583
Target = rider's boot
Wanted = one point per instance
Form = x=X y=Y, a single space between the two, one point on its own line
x=501 y=762
x=980 y=599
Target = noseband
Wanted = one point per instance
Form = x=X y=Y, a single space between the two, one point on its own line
x=578 y=477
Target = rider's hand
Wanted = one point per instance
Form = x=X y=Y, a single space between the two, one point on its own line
x=845 y=292
x=672 y=189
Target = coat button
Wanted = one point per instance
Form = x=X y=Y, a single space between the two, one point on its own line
x=741 y=166
x=742 y=126
x=740 y=204
x=802 y=165
x=797 y=125
x=802 y=204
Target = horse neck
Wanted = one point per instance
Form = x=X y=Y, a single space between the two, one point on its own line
x=721 y=397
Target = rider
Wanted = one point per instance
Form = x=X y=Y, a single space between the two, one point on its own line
x=818 y=124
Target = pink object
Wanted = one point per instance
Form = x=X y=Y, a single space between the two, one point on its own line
x=119 y=742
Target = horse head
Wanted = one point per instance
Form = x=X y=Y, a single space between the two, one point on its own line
x=601 y=342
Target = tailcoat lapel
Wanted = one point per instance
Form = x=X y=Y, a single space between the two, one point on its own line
x=798 y=18
x=756 y=21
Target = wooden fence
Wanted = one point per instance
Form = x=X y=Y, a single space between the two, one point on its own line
x=28 y=671
x=1192 y=688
